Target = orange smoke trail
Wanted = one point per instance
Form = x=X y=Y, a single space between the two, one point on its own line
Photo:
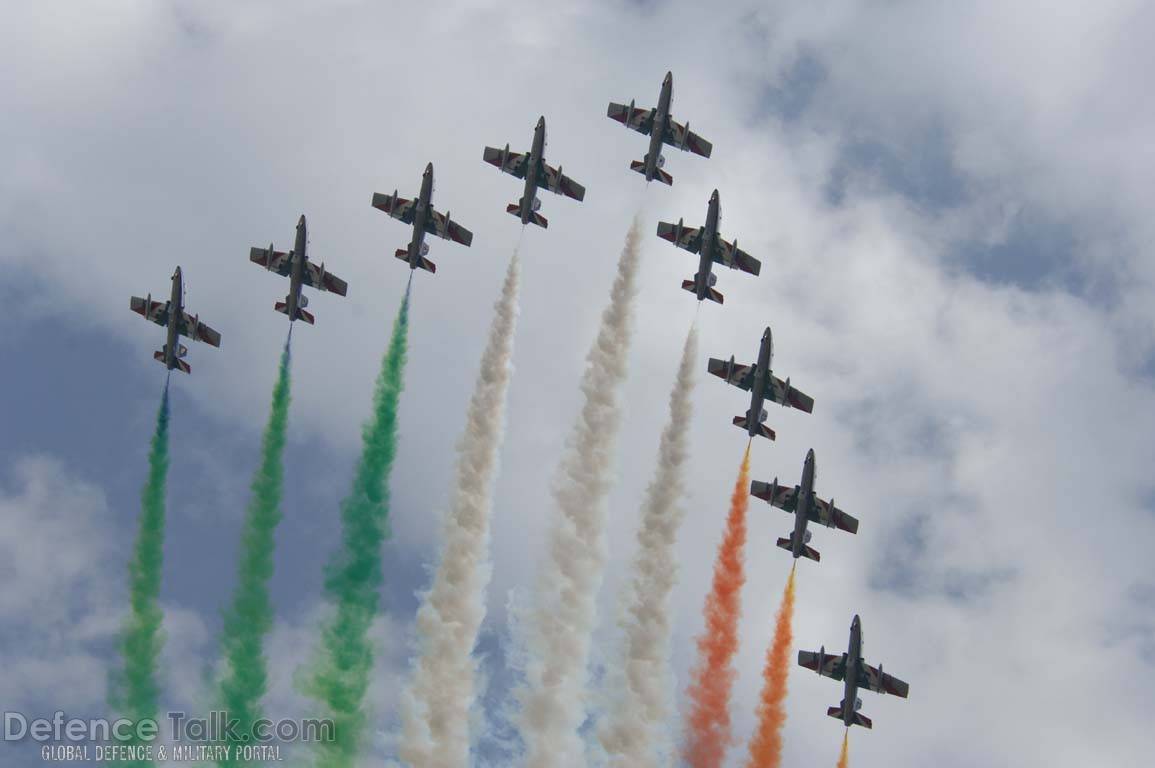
x=709 y=721
x=844 y=759
x=766 y=746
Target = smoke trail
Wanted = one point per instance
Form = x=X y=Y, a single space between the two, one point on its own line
x=709 y=721
x=250 y=616
x=435 y=707
x=766 y=746
x=844 y=758
x=135 y=692
x=353 y=576
x=563 y=617
x=633 y=734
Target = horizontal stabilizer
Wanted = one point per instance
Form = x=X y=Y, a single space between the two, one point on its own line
x=714 y=296
x=659 y=174
x=426 y=264
x=765 y=431
x=534 y=216
x=807 y=552
x=857 y=718
x=306 y=316
x=402 y=254
x=159 y=357
x=281 y=307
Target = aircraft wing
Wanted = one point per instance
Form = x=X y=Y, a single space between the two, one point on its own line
x=791 y=397
x=441 y=225
x=833 y=517
x=739 y=375
x=828 y=665
x=193 y=328
x=397 y=207
x=156 y=311
x=641 y=120
x=736 y=258
x=514 y=161
x=784 y=496
x=690 y=239
x=274 y=261
x=316 y=277
x=880 y=682
x=557 y=182
x=682 y=137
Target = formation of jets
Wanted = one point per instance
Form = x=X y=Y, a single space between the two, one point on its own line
x=705 y=241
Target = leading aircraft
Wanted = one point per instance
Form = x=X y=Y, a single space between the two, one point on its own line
x=180 y=323
x=661 y=128
x=537 y=173
x=806 y=506
x=709 y=245
x=421 y=214
x=762 y=385
x=856 y=673
x=296 y=266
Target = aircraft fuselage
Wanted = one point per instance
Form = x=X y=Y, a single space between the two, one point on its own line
x=175 y=318
x=658 y=126
x=805 y=498
x=761 y=381
x=853 y=661
x=297 y=268
x=709 y=242
x=421 y=216
x=533 y=171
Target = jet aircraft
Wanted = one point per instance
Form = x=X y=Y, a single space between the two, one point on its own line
x=421 y=214
x=856 y=673
x=537 y=173
x=806 y=506
x=296 y=266
x=171 y=314
x=711 y=248
x=762 y=385
x=661 y=128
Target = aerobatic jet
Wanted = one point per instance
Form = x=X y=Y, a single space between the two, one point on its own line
x=171 y=314
x=537 y=174
x=762 y=385
x=296 y=266
x=711 y=248
x=806 y=506
x=662 y=129
x=421 y=214
x=856 y=673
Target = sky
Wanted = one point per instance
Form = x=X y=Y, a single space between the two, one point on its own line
x=950 y=206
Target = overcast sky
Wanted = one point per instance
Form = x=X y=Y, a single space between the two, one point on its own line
x=951 y=207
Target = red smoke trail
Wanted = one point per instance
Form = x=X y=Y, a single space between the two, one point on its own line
x=766 y=746
x=844 y=760
x=709 y=722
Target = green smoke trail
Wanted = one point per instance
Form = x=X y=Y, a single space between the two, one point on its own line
x=249 y=618
x=353 y=576
x=136 y=693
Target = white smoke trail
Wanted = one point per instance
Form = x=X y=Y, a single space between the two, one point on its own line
x=564 y=611
x=633 y=732
x=435 y=708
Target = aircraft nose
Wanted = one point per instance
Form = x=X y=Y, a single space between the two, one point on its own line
x=428 y=168
x=810 y=455
x=669 y=77
x=301 y=221
x=541 y=122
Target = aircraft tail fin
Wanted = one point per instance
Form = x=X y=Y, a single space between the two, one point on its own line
x=807 y=552
x=659 y=174
x=743 y=423
x=534 y=216
x=691 y=286
x=857 y=719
